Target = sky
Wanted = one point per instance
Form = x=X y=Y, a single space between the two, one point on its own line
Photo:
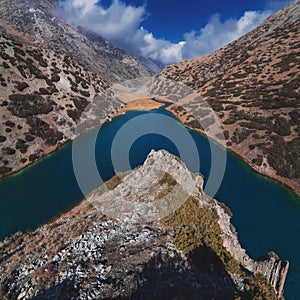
x=169 y=31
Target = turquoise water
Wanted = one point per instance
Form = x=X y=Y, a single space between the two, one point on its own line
x=265 y=213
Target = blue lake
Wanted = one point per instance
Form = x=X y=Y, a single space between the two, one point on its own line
x=265 y=213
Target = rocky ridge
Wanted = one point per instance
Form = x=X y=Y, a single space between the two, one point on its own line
x=93 y=252
x=253 y=86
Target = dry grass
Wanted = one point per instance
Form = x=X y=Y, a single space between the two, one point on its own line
x=143 y=104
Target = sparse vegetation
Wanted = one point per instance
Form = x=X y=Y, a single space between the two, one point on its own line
x=258 y=161
x=10 y=124
x=27 y=105
x=4 y=170
x=29 y=138
x=74 y=114
x=43 y=130
x=240 y=134
x=281 y=126
x=21 y=145
x=8 y=151
x=55 y=78
x=33 y=157
x=43 y=91
x=284 y=157
x=2 y=138
x=255 y=91
x=22 y=86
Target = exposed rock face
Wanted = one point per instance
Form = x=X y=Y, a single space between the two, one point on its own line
x=35 y=22
x=151 y=65
x=253 y=85
x=192 y=253
x=165 y=186
x=272 y=268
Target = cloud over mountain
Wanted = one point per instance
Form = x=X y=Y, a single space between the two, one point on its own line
x=121 y=24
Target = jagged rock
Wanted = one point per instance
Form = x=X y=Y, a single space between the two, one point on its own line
x=271 y=267
x=89 y=254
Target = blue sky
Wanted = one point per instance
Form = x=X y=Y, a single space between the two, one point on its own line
x=170 y=19
x=169 y=30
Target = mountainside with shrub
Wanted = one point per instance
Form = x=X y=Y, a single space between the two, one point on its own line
x=49 y=73
x=43 y=94
x=35 y=22
x=254 y=86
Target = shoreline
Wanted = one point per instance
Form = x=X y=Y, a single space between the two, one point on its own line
x=148 y=103
x=141 y=104
x=47 y=152
x=284 y=181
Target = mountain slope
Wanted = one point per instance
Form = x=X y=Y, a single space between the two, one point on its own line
x=49 y=73
x=102 y=251
x=34 y=22
x=42 y=96
x=254 y=86
x=153 y=66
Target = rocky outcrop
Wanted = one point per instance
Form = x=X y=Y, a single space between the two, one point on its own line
x=253 y=86
x=165 y=186
x=139 y=246
x=271 y=267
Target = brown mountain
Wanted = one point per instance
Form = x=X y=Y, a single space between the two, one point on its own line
x=34 y=22
x=43 y=94
x=49 y=73
x=253 y=85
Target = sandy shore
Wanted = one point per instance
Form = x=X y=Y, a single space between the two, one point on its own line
x=142 y=104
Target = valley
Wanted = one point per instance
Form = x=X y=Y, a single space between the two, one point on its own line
x=154 y=228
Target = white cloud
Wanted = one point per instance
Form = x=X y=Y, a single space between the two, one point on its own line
x=158 y=49
x=121 y=24
x=216 y=34
x=115 y=23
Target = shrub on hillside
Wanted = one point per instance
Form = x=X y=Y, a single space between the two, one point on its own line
x=55 y=78
x=43 y=130
x=22 y=86
x=27 y=105
x=4 y=170
x=2 y=138
x=281 y=126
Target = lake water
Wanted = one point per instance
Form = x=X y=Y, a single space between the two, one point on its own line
x=265 y=213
